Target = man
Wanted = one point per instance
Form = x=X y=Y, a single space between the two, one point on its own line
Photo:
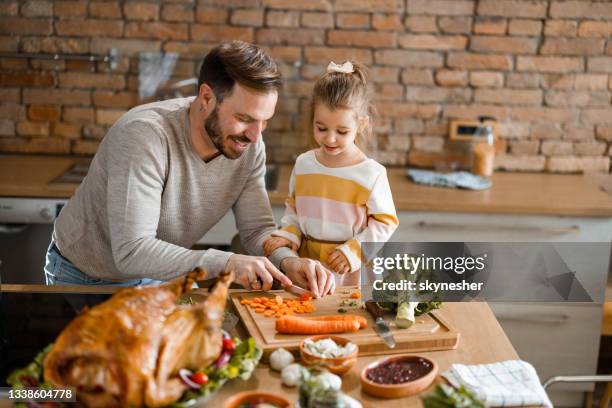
x=166 y=172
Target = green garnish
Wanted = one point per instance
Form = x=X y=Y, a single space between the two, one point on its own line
x=341 y=310
x=445 y=396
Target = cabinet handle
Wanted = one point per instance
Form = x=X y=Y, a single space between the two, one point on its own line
x=498 y=227
x=535 y=318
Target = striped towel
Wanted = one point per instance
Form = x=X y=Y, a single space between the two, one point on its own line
x=512 y=383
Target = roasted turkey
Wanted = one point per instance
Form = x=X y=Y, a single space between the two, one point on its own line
x=128 y=350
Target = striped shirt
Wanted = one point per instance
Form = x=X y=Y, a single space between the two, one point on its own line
x=351 y=204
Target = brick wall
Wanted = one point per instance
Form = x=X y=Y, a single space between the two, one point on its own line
x=542 y=68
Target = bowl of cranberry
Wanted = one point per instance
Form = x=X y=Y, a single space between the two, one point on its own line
x=398 y=376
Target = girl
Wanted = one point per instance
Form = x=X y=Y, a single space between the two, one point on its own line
x=339 y=197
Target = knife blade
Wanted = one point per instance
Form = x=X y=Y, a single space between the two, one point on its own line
x=380 y=326
x=298 y=291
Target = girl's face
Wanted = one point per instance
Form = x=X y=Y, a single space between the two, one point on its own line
x=334 y=130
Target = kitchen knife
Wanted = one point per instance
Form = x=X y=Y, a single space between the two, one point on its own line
x=298 y=291
x=380 y=326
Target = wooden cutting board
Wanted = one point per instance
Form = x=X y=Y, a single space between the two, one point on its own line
x=430 y=332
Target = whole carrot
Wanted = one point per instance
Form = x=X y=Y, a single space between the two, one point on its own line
x=359 y=319
x=300 y=325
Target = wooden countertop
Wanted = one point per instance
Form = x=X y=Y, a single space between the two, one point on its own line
x=480 y=343
x=511 y=193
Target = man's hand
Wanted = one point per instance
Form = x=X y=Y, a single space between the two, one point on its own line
x=272 y=244
x=310 y=274
x=255 y=272
x=338 y=262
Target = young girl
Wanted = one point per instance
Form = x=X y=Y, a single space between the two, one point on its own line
x=339 y=197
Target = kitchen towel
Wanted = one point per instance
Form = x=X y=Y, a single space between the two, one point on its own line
x=460 y=179
x=511 y=383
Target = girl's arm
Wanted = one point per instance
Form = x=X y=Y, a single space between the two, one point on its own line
x=382 y=221
x=290 y=226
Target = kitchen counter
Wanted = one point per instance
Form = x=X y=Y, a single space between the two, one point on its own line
x=511 y=193
x=482 y=341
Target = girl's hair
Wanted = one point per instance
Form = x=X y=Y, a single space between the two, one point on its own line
x=339 y=90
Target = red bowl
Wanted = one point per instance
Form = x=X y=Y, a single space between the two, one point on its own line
x=257 y=397
x=398 y=390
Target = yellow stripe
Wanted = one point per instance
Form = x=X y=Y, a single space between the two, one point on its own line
x=290 y=201
x=385 y=219
x=354 y=247
x=332 y=188
x=292 y=229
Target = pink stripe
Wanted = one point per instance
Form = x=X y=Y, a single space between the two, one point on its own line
x=324 y=209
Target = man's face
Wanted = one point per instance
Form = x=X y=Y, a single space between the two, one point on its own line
x=239 y=120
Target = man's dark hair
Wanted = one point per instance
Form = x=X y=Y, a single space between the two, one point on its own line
x=238 y=61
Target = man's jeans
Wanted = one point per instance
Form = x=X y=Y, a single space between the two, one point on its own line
x=60 y=271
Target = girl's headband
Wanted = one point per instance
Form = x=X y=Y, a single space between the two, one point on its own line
x=346 y=68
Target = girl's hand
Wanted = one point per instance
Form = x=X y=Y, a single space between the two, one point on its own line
x=338 y=262
x=272 y=244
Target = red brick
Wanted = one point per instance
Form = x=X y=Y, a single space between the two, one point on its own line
x=43 y=113
x=353 y=20
x=379 y=74
x=9 y=8
x=474 y=111
x=37 y=9
x=438 y=94
x=560 y=28
x=428 y=143
x=590 y=148
x=70 y=9
x=403 y=58
x=572 y=46
x=577 y=132
x=108 y=116
x=309 y=71
x=578 y=164
x=433 y=42
x=104 y=9
x=276 y=18
x=441 y=7
x=322 y=5
x=545 y=131
x=494 y=26
x=26 y=26
x=53 y=45
x=421 y=24
x=580 y=9
x=14 y=64
x=595 y=29
x=577 y=98
x=157 y=30
x=511 y=45
x=479 y=61
x=486 y=79
x=535 y=114
x=12 y=95
x=555 y=148
x=26 y=79
x=408 y=126
x=596 y=115
x=90 y=28
x=519 y=162
x=372 y=6
x=35 y=145
x=524 y=147
x=509 y=96
x=124 y=46
x=182 y=13
x=388 y=92
x=91 y=80
x=96 y=132
x=361 y=38
x=33 y=129
x=141 y=11
x=12 y=111
x=56 y=97
x=513 y=130
x=109 y=99
x=600 y=64
x=7 y=128
x=604 y=133
x=558 y=81
x=286 y=54
x=525 y=27
x=66 y=130
x=317 y=20
x=448 y=77
x=214 y=34
x=592 y=82
x=386 y=22
x=455 y=25
x=397 y=143
x=513 y=8
x=549 y=64
x=78 y=115
x=211 y=15
x=417 y=77
x=9 y=44
x=403 y=110
x=85 y=147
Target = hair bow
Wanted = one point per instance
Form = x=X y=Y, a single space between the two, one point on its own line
x=346 y=68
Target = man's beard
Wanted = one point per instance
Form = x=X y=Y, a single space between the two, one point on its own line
x=213 y=129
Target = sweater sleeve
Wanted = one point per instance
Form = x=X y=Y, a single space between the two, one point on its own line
x=136 y=178
x=290 y=226
x=381 y=222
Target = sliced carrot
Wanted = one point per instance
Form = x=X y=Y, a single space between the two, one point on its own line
x=268 y=313
x=356 y=295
